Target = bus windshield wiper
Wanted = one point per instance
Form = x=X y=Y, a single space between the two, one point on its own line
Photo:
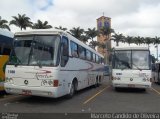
x=137 y=67
x=125 y=63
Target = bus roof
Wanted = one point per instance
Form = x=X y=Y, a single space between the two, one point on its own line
x=56 y=32
x=7 y=33
x=131 y=48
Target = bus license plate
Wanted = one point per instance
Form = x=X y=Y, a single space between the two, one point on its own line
x=131 y=85
x=26 y=92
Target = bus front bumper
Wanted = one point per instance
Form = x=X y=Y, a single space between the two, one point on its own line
x=131 y=85
x=29 y=91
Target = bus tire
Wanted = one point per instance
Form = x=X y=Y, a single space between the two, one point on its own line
x=116 y=89
x=72 y=89
x=143 y=90
x=96 y=83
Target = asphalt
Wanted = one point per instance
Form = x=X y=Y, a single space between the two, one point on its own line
x=102 y=99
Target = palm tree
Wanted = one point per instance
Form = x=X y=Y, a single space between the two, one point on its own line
x=41 y=25
x=117 y=38
x=128 y=39
x=3 y=24
x=91 y=33
x=93 y=44
x=84 y=38
x=156 y=41
x=77 y=32
x=148 y=41
x=105 y=32
x=103 y=46
x=138 y=40
x=61 y=28
x=22 y=21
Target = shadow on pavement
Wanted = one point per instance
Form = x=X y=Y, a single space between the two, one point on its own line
x=47 y=100
x=131 y=90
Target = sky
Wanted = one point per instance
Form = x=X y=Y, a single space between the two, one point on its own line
x=129 y=17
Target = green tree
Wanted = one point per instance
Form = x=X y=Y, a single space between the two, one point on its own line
x=103 y=46
x=153 y=59
x=128 y=40
x=21 y=21
x=84 y=38
x=3 y=24
x=138 y=40
x=105 y=32
x=91 y=33
x=77 y=32
x=148 y=41
x=93 y=44
x=117 y=38
x=41 y=25
x=61 y=28
x=156 y=41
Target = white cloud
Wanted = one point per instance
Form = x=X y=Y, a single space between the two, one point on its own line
x=144 y=22
x=130 y=17
x=9 y=8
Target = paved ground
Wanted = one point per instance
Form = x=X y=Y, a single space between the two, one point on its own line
x=101 y=99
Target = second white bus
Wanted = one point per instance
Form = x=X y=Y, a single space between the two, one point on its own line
x=51 y=64
x=131 y=68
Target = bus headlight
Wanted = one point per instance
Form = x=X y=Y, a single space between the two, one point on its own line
x=8 y=80
x=47 y=83
x=145 y=79
x=116 y=78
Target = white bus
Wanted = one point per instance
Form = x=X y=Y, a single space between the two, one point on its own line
x=131 y=67
x=51 y=63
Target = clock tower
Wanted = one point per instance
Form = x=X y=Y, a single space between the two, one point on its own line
x=104 y=22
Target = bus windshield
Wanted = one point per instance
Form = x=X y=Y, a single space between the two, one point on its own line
x=35 y=50
x=131 y=59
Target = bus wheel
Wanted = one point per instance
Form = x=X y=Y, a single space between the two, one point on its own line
x=117 y=89
x=72 y=91
x=143 y=90
x=96 y=83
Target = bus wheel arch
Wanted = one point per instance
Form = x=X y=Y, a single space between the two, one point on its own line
x=73 y=88
x=96 y=82
x=75 y=83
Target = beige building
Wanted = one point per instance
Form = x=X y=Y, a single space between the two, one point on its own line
x=104 y=22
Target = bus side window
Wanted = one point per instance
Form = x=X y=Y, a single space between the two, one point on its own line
x=64 y=51
x=74 y=49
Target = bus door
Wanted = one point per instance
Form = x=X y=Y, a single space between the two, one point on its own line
x=64 y=75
